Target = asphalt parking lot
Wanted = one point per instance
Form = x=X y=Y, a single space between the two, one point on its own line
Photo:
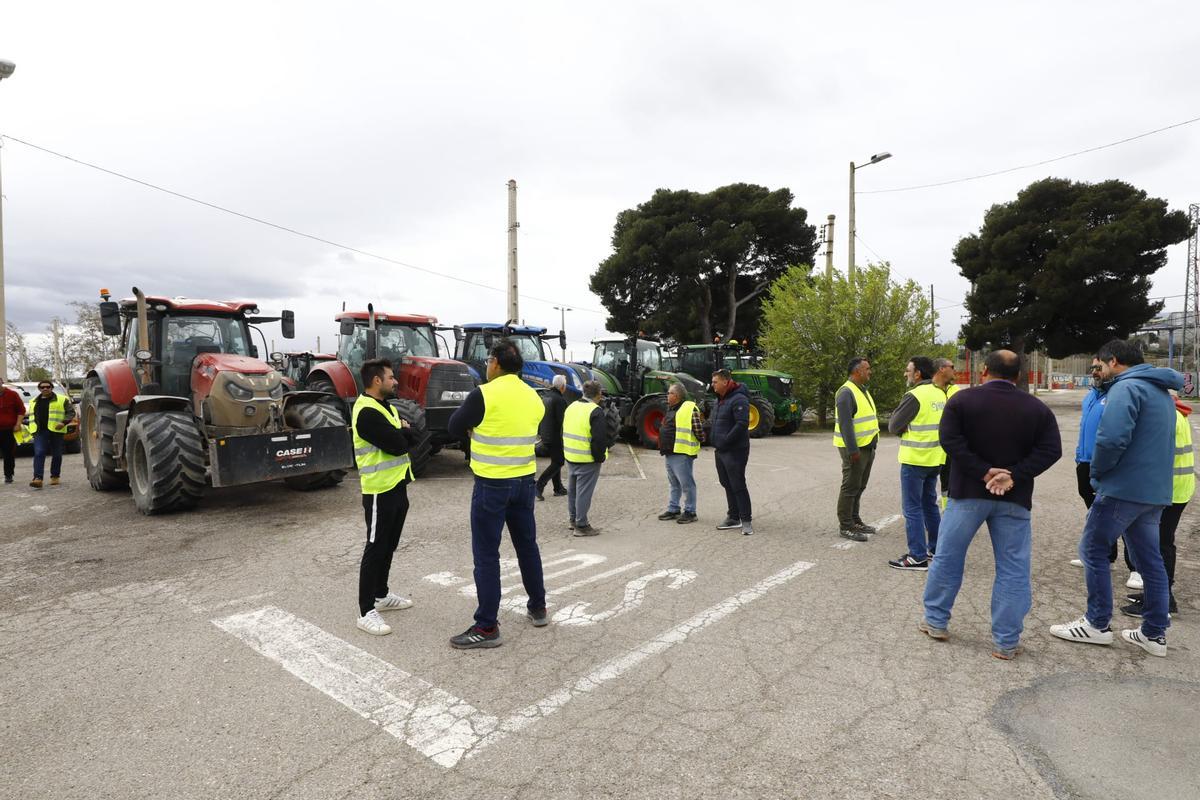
x=214 y=653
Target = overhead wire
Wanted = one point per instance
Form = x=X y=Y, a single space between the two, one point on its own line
x=286 y=229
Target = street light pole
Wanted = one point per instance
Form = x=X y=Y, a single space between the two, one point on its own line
x=6 y=69
x=562 y=325
x=852 y=231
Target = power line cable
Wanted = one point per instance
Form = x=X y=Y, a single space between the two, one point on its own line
x=292 y=231
x=1035 y=164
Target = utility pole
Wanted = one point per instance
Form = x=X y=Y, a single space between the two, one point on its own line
x=512 y=251
x=932 y=319
x=850 y=231
x=829 y=247
x=318 y=344
x=6 y=69
x=56 y=352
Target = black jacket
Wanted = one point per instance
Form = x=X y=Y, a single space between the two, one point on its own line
x=731 y=419
x=378 y=431
x=551 y=428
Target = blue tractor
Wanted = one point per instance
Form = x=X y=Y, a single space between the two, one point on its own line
x=474 y=340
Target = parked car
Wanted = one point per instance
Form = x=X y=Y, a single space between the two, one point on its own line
x=29 y=393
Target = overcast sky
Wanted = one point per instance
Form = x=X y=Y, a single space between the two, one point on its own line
x=393 y=127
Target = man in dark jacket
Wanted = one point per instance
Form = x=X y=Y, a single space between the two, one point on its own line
x=999 y=438
x=1132 y=472
x=551 y=434
x=731 y=439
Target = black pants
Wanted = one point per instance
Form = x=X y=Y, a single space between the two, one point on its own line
x=385 y=514
x=8 y=446
x=1167 y=524
x=731 y=472
x=1083 y=478
x=553 y=472
x=854 y=482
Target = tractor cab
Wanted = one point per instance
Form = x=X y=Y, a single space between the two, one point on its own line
x=296 y=366
x=475 y=340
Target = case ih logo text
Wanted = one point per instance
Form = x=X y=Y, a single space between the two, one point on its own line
x=290 y=454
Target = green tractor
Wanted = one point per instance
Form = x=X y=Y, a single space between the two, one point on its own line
x=773 y=407
x=630 y=372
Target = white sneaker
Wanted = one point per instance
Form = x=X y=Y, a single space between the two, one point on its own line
x=1081 y=630
x=1155 y=647
x=1075 y=562
x=373 y=624
x=1135 y=581
x=393 y=602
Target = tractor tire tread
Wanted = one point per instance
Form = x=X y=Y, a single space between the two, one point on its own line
x=310 y=416
x=175 y=458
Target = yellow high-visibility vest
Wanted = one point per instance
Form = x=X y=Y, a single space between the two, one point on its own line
x=502 y=444
x=686 y=441
x=56 y=417
x=577 y=432
x=951 y=389
x=1184 y=483
x=378 y=472
x=866 y=420
x=919 y=443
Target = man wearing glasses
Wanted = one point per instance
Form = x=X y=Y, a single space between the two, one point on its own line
x=1089 y=423
x=51 y=416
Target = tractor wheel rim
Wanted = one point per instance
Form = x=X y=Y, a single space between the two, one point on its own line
x=754 y=417
x=141 y=466
x=92 y=440
x=653 y=423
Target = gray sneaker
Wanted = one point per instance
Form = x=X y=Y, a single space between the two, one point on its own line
x=747 y=529
x=586 y=530
x=932 y=632
x=865 y=528
x=729 y=524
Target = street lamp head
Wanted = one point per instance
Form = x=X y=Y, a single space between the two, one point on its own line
x=875 y=159
x=6 y=68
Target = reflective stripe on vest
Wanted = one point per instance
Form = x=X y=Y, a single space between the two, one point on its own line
x=686 y=441
x=56 y=416
x=1184 y=483
x=577 y=432
x=919 y=443
x=378 y=472
x=502 y=444
x=866 y=423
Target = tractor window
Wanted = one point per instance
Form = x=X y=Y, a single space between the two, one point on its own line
x=696 y=363
x=187 y=337
x=478 y=350
x=610 y=354
x=530 y=347
x=395 y=342
x=649 y=355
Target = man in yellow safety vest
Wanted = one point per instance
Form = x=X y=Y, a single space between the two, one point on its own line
x=501 y=417
x=916 y=422
x=381 y=444
x=679 y=442
x=49 y=417
x=855 y=434
x=585 y=446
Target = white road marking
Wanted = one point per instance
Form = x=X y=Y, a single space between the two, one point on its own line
x=883 y=523
x=444 y=579
x=434 y=722
x=518 y=602
x=635 y=593
x=582 y=561
x=844 y=545
x=637 y=461
x=234 y=602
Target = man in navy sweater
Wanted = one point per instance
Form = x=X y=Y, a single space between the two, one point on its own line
x=999 y=438
x=731 y=438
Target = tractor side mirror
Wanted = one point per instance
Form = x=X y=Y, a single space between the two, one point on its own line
x=347 y=328
x=110 y=318
x=458 y=333
x=287 y=322
x=562 y=341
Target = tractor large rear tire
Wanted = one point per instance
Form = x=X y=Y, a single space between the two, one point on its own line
x=98 y=426
x=612 y=421
x=422 y=448
x=166 y=462
x=762 y=422
x=786 y=429
x=307 y=416
x=650 y=416
x=326 y=385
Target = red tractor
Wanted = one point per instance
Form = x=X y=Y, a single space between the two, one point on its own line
x=193 y=402
x=428 y=388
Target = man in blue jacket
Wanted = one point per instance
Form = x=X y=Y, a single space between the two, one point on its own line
x=1132 y=471
x=731 y=438
x=1089 y=423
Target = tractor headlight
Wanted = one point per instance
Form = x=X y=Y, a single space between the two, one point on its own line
x=454 y=397
x=238 y=392
x=277 y=391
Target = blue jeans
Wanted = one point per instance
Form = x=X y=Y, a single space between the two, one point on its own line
x=919 y=499
x=1107 y=520
x=679 y=476
x=494 y=503
x=45 y=444
x=1012 y=535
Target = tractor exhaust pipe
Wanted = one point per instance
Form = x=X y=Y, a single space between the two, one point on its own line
x=143 y=334
x=372 y=335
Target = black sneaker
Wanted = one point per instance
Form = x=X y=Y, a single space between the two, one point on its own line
x=474 y=637
x=560 y=492
x=538 y=617
x=685 y=518
x=539 y=495
x=853 y=535
x=908 y=562
x=1137 y=610
x=666 y=515
x=571 y=525
x=865 y=528
x=586 y=530
x=8 y=479
x=729 y=524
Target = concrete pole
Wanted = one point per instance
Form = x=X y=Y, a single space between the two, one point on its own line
x=56 y=353
x=829 y=247
x=513 y=313
x=932 y=319
x=850 y=230
x=3 y=316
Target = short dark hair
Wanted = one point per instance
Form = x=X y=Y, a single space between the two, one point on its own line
x=372 y=369
x=591 y=389
x=923 y=365
x=1127 y=354
x=853 y=364
x=1003 y=364
x=45 y=383
x=724 y=373
x=507 y=355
